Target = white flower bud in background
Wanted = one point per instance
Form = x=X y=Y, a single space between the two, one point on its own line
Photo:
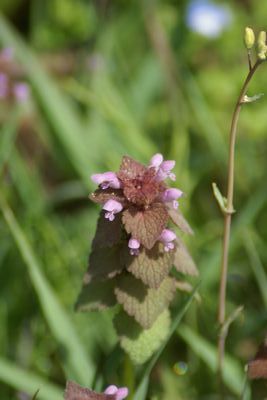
x=249 y=38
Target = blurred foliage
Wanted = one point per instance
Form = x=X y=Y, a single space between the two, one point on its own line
x=110 y=78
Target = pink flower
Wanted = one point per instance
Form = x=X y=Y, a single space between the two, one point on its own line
x=134 y=246
x=162 y=167
x=21 y=92
x=112 y=207
x=120 y=393
x=171 y=195
x=167 y=237
x=106 y=180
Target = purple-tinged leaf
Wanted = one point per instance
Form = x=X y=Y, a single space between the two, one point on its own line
x=151 y=266
x=96 y=296
x=146 y=225
x=76 y=392
x=104 y=263
x=183 y=262
x=130 y=169
x=257 y=368
x=179 y=220
x=101 y=196
x=108 y=233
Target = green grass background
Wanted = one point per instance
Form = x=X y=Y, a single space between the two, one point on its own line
x=110 y=78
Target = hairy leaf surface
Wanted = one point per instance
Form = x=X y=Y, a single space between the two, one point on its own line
x=138 y=343
x=101 y=196
x=179 y=220
x=108 y=232
x=143 y=303
x=146 y=225
x=151 y=266
x=96 y=296
x=76 y=392
x=183 y=261
x=104 y=263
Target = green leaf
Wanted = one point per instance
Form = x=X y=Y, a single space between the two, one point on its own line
x=147 y=225
x=233 y=374
x=151 y=266
x=28 y=382
x=179 y=220
x=96 y=296
x=140 y=344
x=141 y=389
x=183 y=261
x=141 y=302
x=221 y=200
x=76 y=362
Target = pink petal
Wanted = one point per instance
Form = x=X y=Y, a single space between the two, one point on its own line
x=122 y=393
x=112 y=389
x=156 y=160
x=167 y=165
x=167 y=236
x=133 y=243
x=113 y=206
x=109 y=175
x=171 y=194
x=97 y=178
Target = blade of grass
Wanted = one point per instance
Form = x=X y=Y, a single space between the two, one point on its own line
x=28 y=382
x=64 y=118
x=141 y=390
x=77 y=364
x=233 y=375
x=8 y=136
x=107 y=100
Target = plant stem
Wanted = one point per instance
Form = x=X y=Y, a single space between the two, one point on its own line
x=228 y=215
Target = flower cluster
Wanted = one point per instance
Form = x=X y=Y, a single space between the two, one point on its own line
x=11 y=85
x=74 y=391
x=135 y=249
x=139 y=189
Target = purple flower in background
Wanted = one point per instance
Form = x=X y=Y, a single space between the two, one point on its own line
x=207 y=18
x=134 y=246
x=167 y=237
x=3 y=85
x=112 y=207
x=171 y=195
x=106 y=180
x=120 y=393
x=21 y=92
x=6 y=55
x=162 y=167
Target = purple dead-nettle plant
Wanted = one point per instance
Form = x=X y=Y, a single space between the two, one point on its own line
x=76 y=392
x=135 y=250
